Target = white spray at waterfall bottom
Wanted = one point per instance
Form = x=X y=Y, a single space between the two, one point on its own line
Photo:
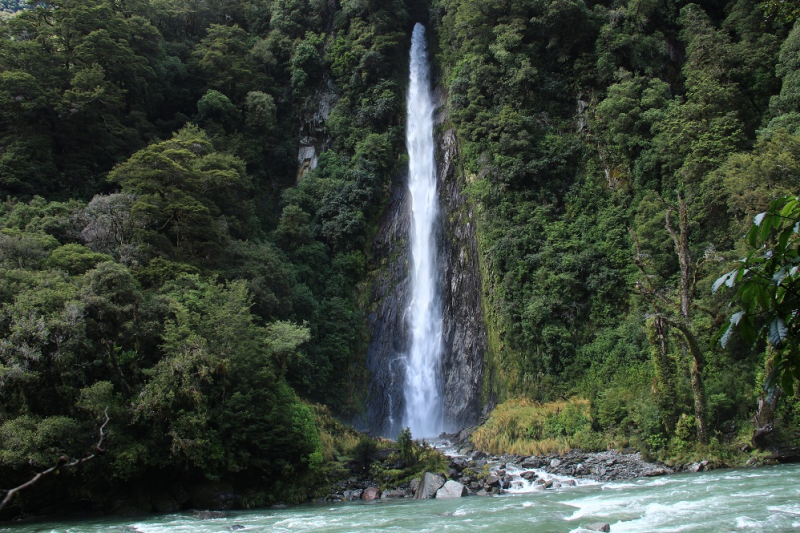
x=422 y=391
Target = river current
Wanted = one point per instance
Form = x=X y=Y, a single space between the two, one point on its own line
x=752 y=500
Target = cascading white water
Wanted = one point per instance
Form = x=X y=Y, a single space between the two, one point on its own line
x=423 y=397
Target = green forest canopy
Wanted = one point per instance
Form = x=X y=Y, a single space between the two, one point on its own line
x=160 y=257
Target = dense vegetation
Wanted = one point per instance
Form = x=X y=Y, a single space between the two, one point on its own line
x=157 y=258
x=617 y=153
x=161 y=261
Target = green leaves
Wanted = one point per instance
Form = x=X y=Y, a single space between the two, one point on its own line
x=768 y=288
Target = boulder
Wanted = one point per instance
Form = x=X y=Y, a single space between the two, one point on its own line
x=532 y=462
x=493 y=480
x=452 y=489
x=599 y=526
x=428 y=486
x=215 y=496
x=529 y=475
x=371 y=493
x=458 y=463
x=555 y=463
x=351 y=495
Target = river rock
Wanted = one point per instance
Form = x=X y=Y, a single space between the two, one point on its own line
x=599 y=526
x=371 y=493
x=529 y=475
x=532 y=462
x=429 y=485
x=396 y=493
x=351 y=495
x=215 y=496
x=452 y=489
x=555 y=463
x=493 y=480
x=697 y=467
x=458 y=463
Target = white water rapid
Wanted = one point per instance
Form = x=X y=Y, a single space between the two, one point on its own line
x=422 y=390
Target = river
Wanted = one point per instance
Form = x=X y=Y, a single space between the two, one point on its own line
x=753 y=500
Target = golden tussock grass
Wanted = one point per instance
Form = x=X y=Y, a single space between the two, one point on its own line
x=523 y=427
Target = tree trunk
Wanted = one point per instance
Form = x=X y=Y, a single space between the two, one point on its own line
x=681 y=240
x=697 y=377
x=664 y=370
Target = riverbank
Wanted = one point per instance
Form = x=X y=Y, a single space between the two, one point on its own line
x=473 y=472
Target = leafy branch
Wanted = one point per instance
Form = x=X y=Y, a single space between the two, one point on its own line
x=62 y=463
x=767 y=285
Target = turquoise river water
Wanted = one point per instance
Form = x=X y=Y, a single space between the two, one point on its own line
x=753 y=500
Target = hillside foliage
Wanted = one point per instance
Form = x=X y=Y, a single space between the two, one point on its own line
x=161 y=256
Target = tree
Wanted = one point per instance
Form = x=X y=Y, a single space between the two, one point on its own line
x=665 y=314
x=188 y=193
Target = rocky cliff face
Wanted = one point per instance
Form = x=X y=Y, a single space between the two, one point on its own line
x=464 y=332
x=386 y=325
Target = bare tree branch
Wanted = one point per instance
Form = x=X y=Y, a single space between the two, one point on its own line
x=62 y=463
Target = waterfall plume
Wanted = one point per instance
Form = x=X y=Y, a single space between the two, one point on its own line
x=423 y=383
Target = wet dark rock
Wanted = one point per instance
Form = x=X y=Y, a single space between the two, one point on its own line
x=602 y=466
x=697 y=467
x=532 y=462
x=164 y=502
x=458 y=463
x=463 y=330
x=396 y=493
x=236 y=527
x=529 y=475
x=599 y=526
x=352 y=495
x=493 y=480
x=215 y=496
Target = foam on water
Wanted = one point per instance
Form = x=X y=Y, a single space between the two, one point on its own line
x=706 y=502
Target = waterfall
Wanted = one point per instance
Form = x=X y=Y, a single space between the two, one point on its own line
x=423 y=384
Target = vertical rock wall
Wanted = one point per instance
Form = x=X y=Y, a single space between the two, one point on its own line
x=464 y=331
x=386 y=324
x=465 y=340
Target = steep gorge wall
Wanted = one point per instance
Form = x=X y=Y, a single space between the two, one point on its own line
x=464 y=329
x=464 y=332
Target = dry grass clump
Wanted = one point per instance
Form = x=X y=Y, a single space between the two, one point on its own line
x=524 y=427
